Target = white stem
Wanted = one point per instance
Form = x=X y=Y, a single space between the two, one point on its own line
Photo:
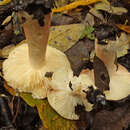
x=107 y=55
x=37 y=38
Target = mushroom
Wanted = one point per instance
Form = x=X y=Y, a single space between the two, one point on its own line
x=26 y=67
x=82 y=84
x=119 y=86
x=61 y=96
x=67 y=92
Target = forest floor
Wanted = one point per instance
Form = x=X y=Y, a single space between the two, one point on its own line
x=16 y=114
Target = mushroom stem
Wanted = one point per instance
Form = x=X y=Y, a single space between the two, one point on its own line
x=106 y=54
x=37 y=39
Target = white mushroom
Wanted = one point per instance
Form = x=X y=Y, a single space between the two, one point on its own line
x=28 y=63
x=67 y=92
x=61 y=96
x=81 y=85
x=119 y=77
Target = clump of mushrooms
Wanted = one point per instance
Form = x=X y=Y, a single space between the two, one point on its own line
x=119 y=86
x=26 y=67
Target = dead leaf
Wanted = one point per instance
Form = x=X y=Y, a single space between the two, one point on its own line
x=30 y=100
x=53 y=121
x=80 y=59
x=101 y=75
x=7 y=20
x=64 y=36
x=61 y=19
x=9 y=89
x=110 y=9
x=124 y=27
x=75 y=4
x=4 y=2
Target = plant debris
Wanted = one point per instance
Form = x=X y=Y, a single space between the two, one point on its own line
x=101 y=75
x=80 y=60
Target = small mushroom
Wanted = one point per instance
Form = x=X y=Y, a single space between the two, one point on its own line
x=28 y=63
x=119 y=86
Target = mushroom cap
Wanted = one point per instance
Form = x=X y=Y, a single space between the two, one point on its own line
x=20 y=75
x=61 y=96
x=67 y=92
x=81 y=85
x=119 y=84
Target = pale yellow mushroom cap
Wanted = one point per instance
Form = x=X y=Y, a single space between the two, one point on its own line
x=20 y=75
x=67 y=92
x=61 y=97
x=81 y=84
x=119 y=84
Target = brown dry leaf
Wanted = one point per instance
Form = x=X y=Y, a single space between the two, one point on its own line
x=124 y=27
x=9 y=89
x=101 y=75
x=79 y=60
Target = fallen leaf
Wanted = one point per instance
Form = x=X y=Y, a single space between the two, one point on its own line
x=4 y=2
x=110 y=9
x=75 y=4
x=80 y=59
x=51 y=120
x=62 y=19
x=30 y=100
x=7 y=20
x=124 y=27
x=101 y=75
x=9 y=89
x=93 y=12
x=64 y=36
